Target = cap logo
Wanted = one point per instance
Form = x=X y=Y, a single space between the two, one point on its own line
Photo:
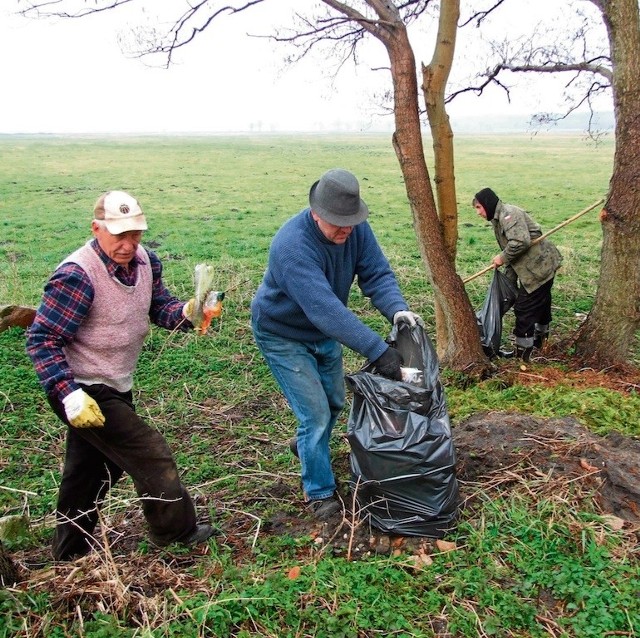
x=124 y=209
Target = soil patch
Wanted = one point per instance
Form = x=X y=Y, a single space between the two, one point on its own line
x=495 y=451
x=514 y=372
x=508 y=448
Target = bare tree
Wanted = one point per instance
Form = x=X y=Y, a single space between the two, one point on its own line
x=457 y=340
x=434 y=85
x=608 y=333
x=606 y=337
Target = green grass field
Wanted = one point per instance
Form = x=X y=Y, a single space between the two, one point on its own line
x=220 y=200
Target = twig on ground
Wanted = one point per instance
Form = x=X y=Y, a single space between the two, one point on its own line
x=253 y=516
x=13 y=489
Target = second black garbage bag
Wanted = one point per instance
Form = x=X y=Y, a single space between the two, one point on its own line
x=402 y=455
x=501 y=295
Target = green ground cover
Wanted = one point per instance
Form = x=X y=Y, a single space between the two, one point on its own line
x=220 y=200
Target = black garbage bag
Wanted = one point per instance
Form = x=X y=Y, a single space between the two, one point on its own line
x=501 y=295
x=402 y=455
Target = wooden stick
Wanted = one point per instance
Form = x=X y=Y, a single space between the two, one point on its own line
x=544 y=236
x=568 y=221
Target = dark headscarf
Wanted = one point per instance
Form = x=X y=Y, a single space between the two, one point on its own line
x=489 y=201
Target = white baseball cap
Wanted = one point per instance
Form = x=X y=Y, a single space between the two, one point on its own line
x=120 y=212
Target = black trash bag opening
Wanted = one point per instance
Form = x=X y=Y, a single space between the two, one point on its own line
x=402 y=456
x=501 y=295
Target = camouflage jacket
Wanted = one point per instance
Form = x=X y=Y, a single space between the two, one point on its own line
x=533 y=265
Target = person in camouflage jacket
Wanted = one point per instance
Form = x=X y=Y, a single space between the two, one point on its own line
x=532 y=266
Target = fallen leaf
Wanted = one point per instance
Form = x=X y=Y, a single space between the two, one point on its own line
x=419 y=561
x=585 y=465
x=613 y=522
x=294 y=572
x=445 y=546
x=426 y=559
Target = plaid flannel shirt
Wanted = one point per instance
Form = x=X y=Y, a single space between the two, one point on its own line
x=66 y=301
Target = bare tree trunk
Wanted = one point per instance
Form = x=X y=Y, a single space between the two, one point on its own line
x=434 y=83
x=607 y=335
x=463 y=350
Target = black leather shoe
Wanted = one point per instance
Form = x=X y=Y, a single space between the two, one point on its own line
x=201 y=533
x=506 y=354
x=324 y=508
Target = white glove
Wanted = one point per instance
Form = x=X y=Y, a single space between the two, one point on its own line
x=406 y=316
x=188 y=308
x=82 y=411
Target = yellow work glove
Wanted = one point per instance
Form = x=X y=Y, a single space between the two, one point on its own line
x=82 y=411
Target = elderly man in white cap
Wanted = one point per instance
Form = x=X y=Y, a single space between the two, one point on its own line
x=84 y=342
x=300 y=319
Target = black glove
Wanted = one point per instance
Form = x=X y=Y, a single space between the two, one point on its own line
x=388 y=364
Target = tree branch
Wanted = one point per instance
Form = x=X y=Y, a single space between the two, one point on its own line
x=175 y=38
x=491 y=77
x=560 y=67
x=40 y=10
x=481 y=15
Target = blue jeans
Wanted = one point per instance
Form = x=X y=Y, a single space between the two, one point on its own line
x=311 y=378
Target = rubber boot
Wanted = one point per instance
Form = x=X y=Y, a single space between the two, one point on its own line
x=524 y=346
x=524 y=353
x=540 y=335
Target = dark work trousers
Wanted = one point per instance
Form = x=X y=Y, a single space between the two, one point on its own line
x=532 y=308
x=94 y=461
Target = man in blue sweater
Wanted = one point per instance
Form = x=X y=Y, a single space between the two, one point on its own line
x=300 y=319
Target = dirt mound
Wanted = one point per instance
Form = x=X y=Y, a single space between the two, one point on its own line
x=511 y=447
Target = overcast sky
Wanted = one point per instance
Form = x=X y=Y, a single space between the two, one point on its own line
x=71 y=76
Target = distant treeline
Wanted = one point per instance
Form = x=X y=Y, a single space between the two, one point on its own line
x=575 y=122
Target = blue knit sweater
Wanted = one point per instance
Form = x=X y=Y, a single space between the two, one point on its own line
x=305 y=289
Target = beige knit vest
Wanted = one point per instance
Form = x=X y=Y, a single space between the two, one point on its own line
x=108 y=343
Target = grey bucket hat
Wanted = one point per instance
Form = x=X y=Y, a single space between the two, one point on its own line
x=335 y=197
